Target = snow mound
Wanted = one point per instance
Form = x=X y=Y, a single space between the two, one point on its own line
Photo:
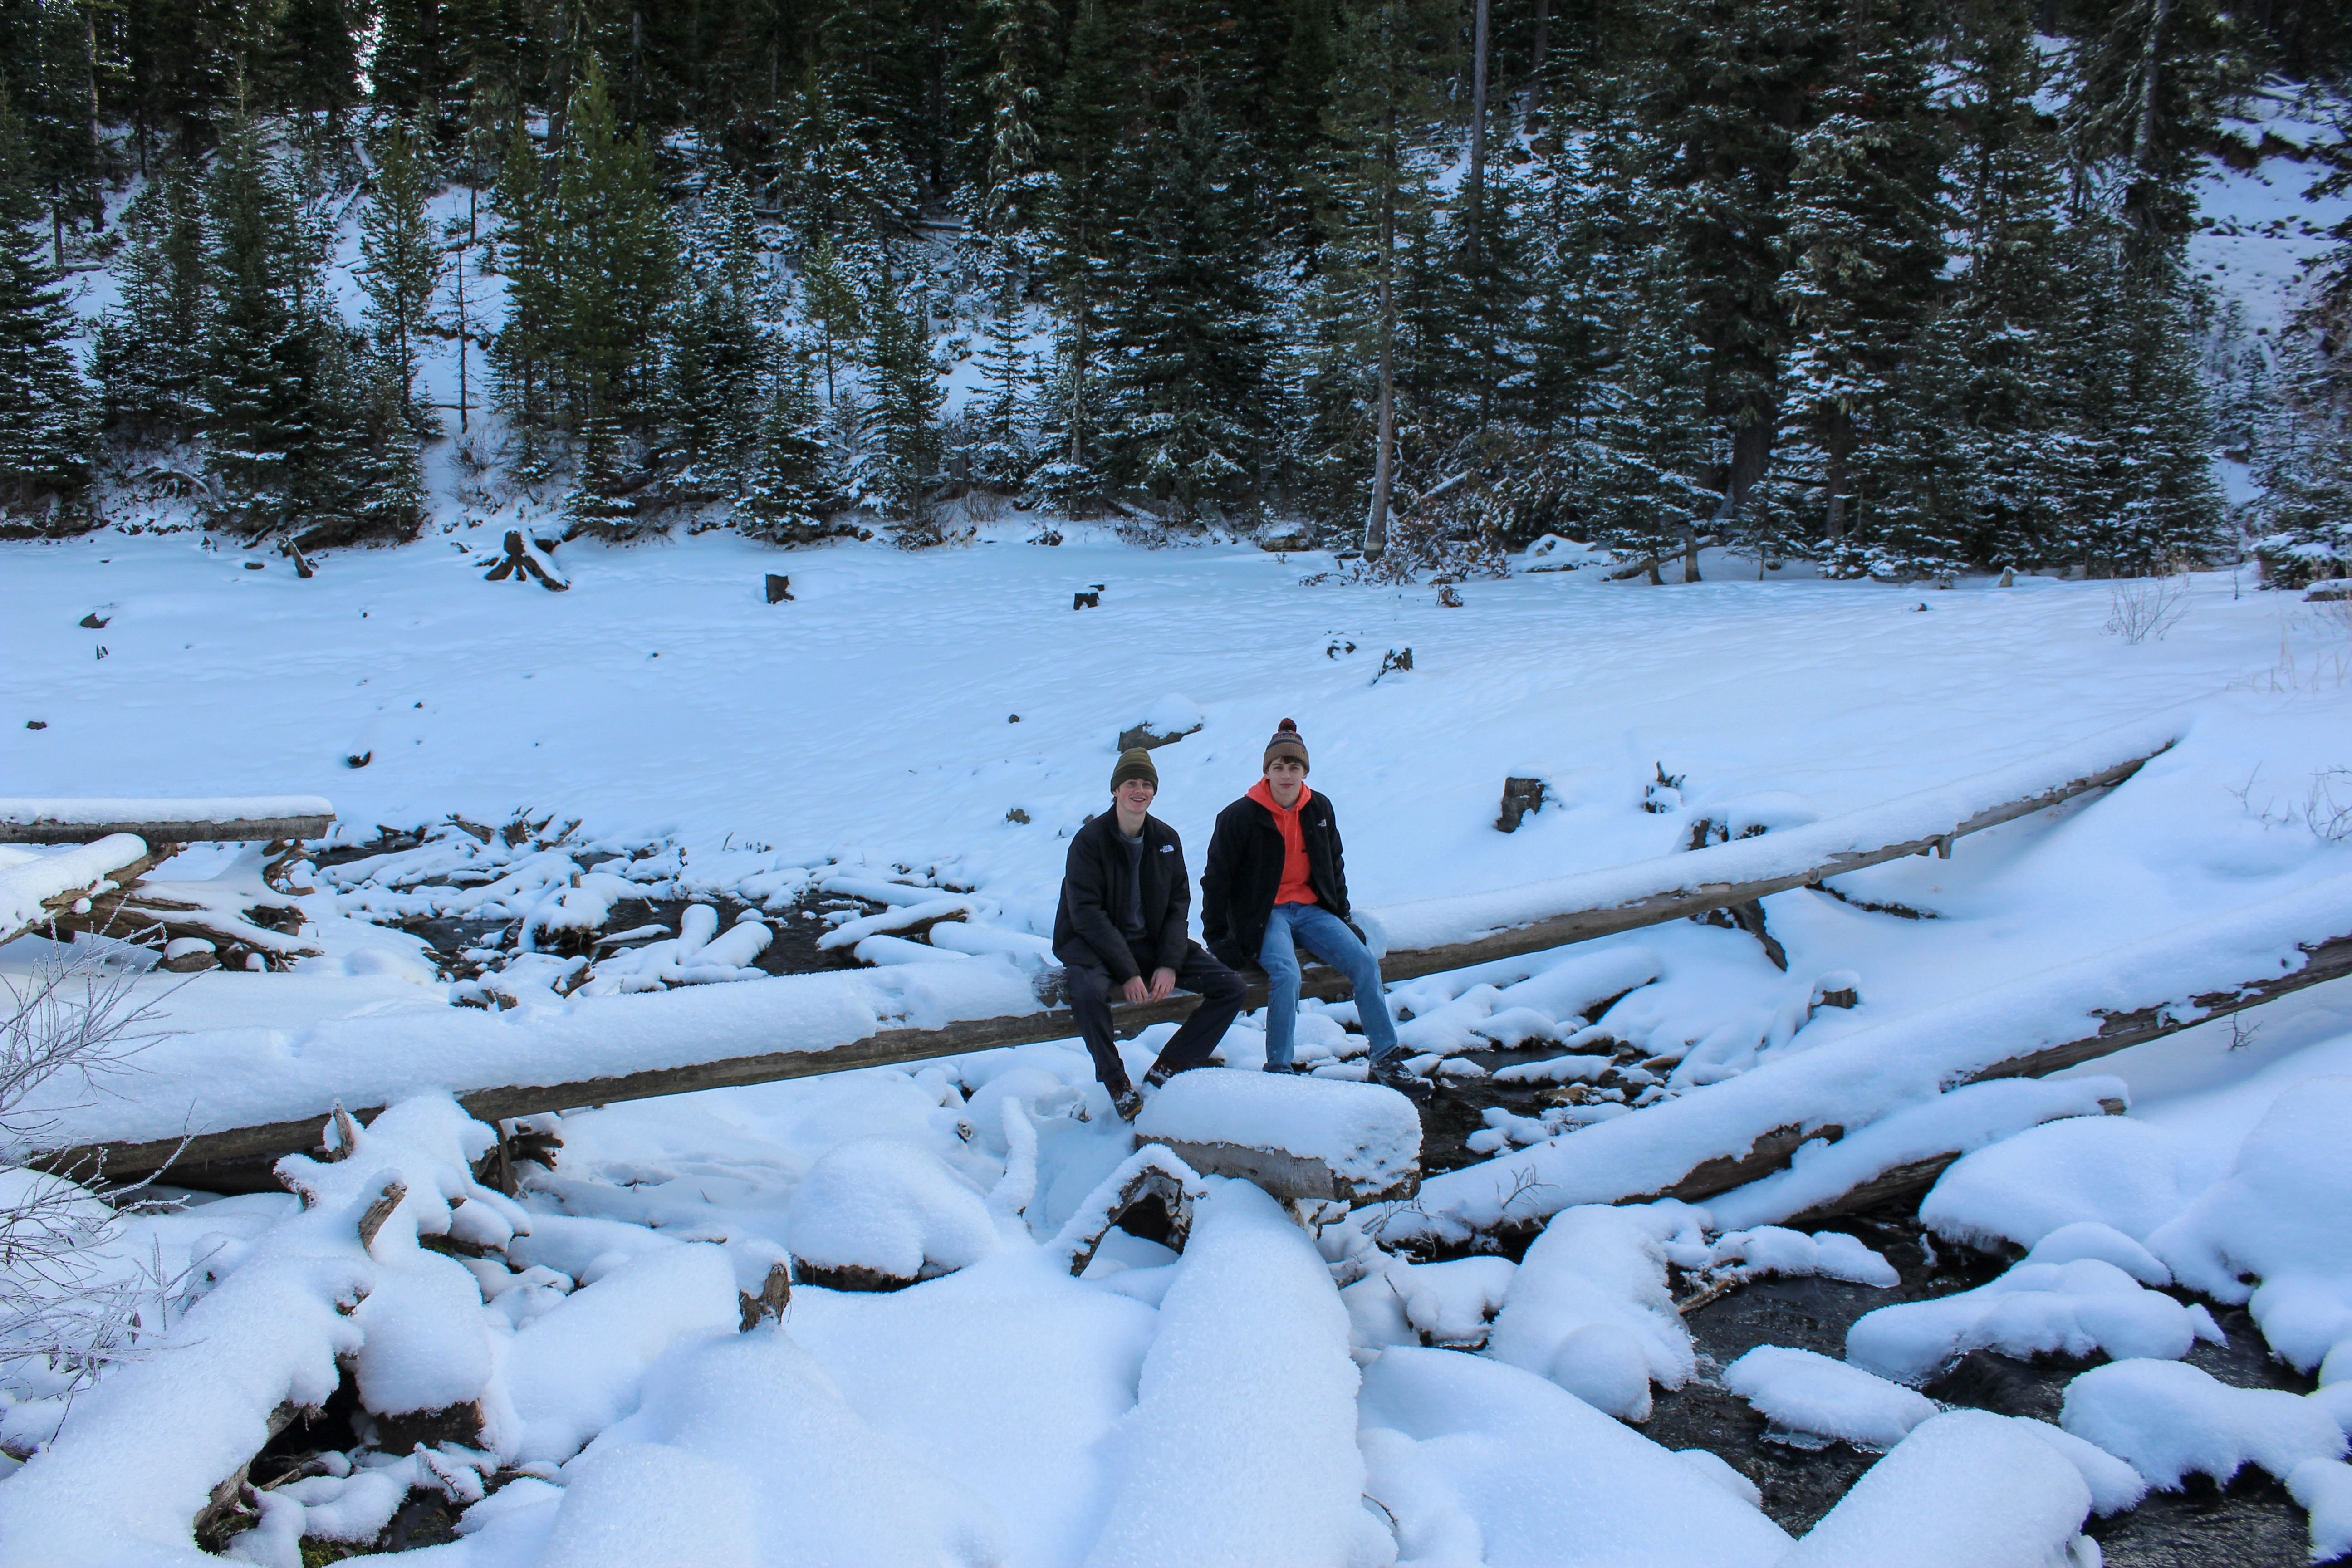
x=1370 y=1136
x=1966 y=1489
x=2089 y=1239
x=575 y=1369
x=1597 y=1265
x=2112 y=1170
x=2115 y=1485
x=2169 y=1421
x=1479 y=1462
x=1241 y=1445
x=2070 y=1309
x=890 y=1206
x=1804 y=1391
x=2284 y=1216
x=745 y=1452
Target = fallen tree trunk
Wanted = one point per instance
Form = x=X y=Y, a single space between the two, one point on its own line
x=35 y=891
x=1599 y=903
x=238 y=820
x=1728 y=1135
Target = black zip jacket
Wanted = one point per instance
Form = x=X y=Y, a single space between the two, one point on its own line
x=1094 y=899
x=1245 y=872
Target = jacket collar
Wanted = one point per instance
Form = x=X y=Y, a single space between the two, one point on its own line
x=1263 y=793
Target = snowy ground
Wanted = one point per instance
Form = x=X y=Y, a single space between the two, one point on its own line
x=1229 y=1405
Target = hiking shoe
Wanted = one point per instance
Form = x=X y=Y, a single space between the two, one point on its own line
x=1129 y=1105
x=1391 y=1076
x=1157 y=1076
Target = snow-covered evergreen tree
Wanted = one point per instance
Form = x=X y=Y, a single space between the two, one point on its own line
x=44 y=406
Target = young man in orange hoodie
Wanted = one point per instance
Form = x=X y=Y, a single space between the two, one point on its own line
x=1277 y=880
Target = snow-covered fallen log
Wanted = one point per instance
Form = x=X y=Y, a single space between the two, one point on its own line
x=231 y=818
x=1728 y=1134
x=803 y=1025
x=1436 y=934
x=34 y=885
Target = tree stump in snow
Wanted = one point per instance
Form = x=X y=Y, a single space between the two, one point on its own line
x=1521 y=799
x=1084 y=600
x=780 y=587
x=527 y=562
x=1148 y=737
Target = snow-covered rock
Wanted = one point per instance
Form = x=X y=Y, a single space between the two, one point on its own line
x=2070 y=1309
x=1804 y=1391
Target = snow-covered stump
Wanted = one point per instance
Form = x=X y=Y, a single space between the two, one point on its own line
x=1241 y=1449
x=1304 y=1139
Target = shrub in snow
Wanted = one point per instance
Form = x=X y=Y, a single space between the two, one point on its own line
x=2070 y=1309
x=1965 y=1490
x=880 y=1213
x=2112 y=1169
x=1480 y=1462
x=1803 y=1391
x=2283 y=1216
x=2169 y=1421
x=1597 y=1264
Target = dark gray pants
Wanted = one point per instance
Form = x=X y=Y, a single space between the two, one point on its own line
x=1092 y=988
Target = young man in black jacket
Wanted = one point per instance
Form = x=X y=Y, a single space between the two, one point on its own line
x=1276 y=879
x=1126 y=898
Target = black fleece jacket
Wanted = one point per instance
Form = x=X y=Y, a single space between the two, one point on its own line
x=1095 y=884
x=1245 y=871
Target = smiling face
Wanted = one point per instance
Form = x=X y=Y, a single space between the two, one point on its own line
x=1134 y=798
x=1283 y=776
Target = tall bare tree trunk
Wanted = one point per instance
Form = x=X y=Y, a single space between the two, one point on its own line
x=2150 y=72
x=1376 y=521
x=1478 y=128
x=1536 y=69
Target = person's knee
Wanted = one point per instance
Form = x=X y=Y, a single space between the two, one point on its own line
x=1086 y=984
x=1226 y=987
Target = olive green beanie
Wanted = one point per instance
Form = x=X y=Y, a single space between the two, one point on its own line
x=1134 y=763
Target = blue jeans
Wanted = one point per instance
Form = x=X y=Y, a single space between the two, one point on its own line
x=1327 y=936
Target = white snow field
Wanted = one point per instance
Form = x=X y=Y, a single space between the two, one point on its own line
x=1263 y=1396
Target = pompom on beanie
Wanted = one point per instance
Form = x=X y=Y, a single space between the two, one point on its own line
x=1286 y=743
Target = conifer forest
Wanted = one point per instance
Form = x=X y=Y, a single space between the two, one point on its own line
x=1901 y=287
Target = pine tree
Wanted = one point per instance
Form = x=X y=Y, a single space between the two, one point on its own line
x=717 y=352
x=787 y=493
x=401 y=259
x=617 y=262
x=1726 y=89
x=1653 y=443
x=45 y=414
x=1379 y=180
x=1087 y=128
x=1864 y=225
x=1005 y=457
x=528 y=257
x=149 y=352
x=263 y=348
x=907 y=392
x=1021 y=37
x=1185 y=346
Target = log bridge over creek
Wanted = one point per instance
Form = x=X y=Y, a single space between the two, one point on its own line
x=1508 y=925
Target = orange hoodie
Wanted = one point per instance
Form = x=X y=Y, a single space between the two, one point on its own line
x=1296 y=887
